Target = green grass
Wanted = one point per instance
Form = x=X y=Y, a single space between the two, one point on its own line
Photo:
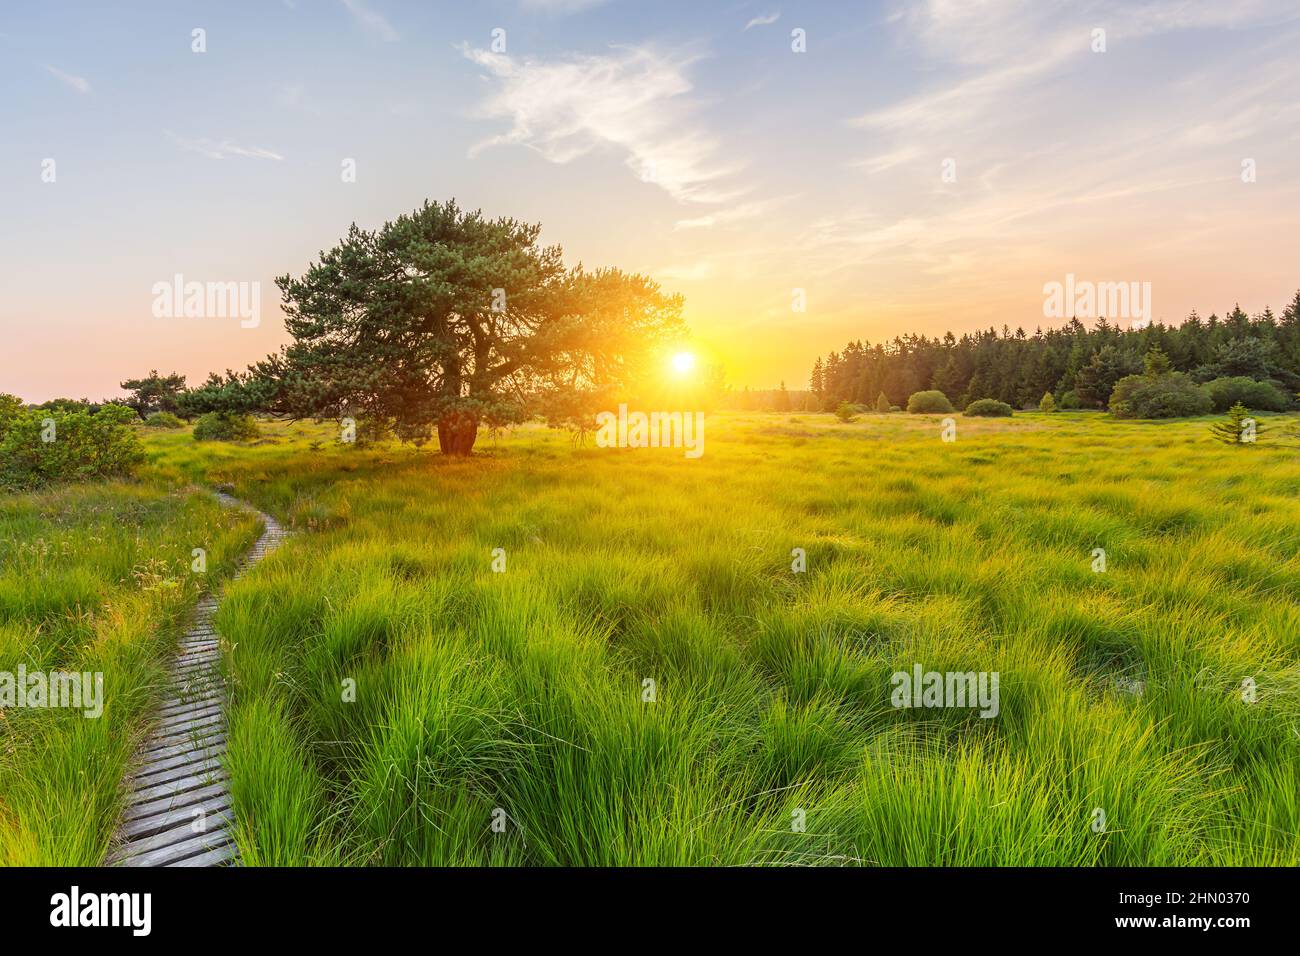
x=521 y=692
x=519 y=696
x=93 y=578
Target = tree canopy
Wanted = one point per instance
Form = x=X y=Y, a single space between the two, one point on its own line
x=154 y=393
x=443 y=320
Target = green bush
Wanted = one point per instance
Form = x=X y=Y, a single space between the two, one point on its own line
x=882 y=404
x=39 y=446
x=11 y=407
x=1174 y=395
x=222 y=426
x=1047 y=403
x=845 y=412
x=1070 y=400
x=929 y=402
x=163 y=420
x=987 y=408
x=1240 y=390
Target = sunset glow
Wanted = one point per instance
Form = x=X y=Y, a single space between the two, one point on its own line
x=913 y=169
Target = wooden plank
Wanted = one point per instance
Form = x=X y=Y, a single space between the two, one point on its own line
x=200 y=671
x=199 y=648
x=180 y=706
x=176 y=766
x=197 y=684
x=177 y=750
x=152 y=833
x=192 y=739
x=185 y=724
x=194 y=726
x=192 y=780
x=170 y=812
x=227 y=855
x=173 y=845
x=168 y=804
x=200 y=685
x=212 y=697
x=194 y=713
x=210 y=662
x=134 y=831
x=198 y=657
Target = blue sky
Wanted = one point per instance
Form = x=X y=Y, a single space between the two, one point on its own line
x=684 y=140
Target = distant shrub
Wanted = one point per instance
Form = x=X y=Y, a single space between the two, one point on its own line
x=222 y=426
x=845 y=412
x=987 y=408
x=1240 y=390
x=895 y=408
x=67 y=405
x=929 y=402
x=1047 y=403
x=1174 y=395
x=163 y=420
x=1070 y=400
x=882 y=404
x=11 y=407
x=38 y=446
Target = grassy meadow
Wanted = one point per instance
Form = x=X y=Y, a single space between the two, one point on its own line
x=94 y=578
x=648 y=682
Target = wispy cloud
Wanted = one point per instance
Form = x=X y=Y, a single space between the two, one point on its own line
x=1005 y=72
x=1000 y=47
x=763 y=20
x=734 y=214
x=214 y=149
x=371 y=20
x=78 y=83
x=884 y=161
x=632 y=100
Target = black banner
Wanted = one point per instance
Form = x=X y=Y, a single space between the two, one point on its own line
x=333 y=906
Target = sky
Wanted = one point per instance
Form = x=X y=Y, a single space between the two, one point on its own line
x=804 y=174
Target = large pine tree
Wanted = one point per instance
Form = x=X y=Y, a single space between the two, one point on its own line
x=445 y=319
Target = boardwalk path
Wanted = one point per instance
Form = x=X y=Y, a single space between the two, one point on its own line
x=178 y=810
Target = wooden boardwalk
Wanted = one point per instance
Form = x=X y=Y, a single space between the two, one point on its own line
x=178 y=810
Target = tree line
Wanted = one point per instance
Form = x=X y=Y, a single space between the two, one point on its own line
x=1079 y=366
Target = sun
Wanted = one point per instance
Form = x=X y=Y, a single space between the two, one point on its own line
x=683 y=363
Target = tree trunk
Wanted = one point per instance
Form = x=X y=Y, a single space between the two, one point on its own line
x=456 y=433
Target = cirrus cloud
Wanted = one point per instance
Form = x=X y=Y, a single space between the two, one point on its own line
x=632 y=100
x=78 y=83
